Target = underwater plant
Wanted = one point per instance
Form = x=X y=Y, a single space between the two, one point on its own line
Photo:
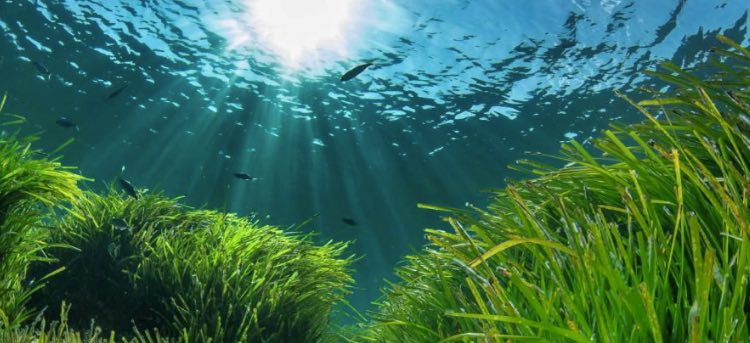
x=647 y=239
x=192 y=275
x=40 y=330
x=30 y=186
x=129 y=263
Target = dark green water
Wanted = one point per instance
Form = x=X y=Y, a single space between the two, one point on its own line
x=459 y=90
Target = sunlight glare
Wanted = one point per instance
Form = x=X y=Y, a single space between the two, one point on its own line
x=295 y=29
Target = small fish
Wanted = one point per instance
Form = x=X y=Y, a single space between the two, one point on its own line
x=354 y=72
x=733 y=96
x=120 y=224
x=117 y=91
x=243 y=176
x=42 y=69
x=128 y=188
x=66 y=123
x=349 y=221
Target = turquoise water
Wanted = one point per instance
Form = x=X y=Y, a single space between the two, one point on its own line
x=183 y=94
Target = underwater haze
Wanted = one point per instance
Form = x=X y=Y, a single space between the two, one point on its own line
x=242 y=105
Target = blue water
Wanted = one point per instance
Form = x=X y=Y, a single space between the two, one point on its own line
x=458 y=91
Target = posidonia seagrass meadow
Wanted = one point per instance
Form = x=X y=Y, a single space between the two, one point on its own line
x=200 y=275
x=643 y=237
x=27 y=182
x=149 y=269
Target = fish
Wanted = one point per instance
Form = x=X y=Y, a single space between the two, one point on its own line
x=120 y=224
x=354 y=72
x=243 y=176
x=66 y=123
x=117 y=91
x=349 y=221
x=735 y=99
x=128 y=187
x=42 y=69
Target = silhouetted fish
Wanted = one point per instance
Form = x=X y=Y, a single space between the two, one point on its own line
x=66 y=123
x=349 y=221
x=354 y=72
x=117 y=91
x=42 y=69
x=128 y=188
x=243 y=176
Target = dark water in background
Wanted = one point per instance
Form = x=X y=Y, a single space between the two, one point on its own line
x=461 y=89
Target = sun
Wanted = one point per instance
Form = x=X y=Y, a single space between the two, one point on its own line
x=294 y=30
